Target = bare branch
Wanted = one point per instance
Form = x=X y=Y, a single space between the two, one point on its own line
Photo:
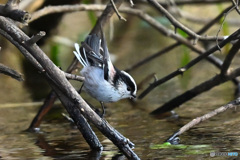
x=203 y=118
x=65 y=8
x=224 y=17
x=188 y=95
x=74 y=77
x=36 y=38
x=177 y=24
x=227 y=62
x=190 y=2
x=137 y=12
x=10 y=72
x=212 y=59
x=116 y=10
x=236 y=4
x=11 y=10
x=190 y=64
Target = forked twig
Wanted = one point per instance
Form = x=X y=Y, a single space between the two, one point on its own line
x=116 y=10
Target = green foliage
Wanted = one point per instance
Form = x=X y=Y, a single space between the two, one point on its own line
x=182 y=33
x=184 y=60
x=54 y=54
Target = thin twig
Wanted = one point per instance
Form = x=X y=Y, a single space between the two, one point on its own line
x=224 y=17
x=196 y=121
x=137 y=12
x=190 y=64
x=193 y=18
x=176 y=23
x=116 y=10
x=36 y=38
x=190 y=2
x=10 y=72
x=217 y=62
x=11 y=10
x=236 y=4
x=74 y=77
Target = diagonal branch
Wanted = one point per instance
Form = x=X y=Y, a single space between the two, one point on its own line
x=117 y=12
x=205 y=86
x=190 y=2
x=177 y=24
x=61 y=85
x=190 y=64
x=212 y=59
x=228 y=60
x=136 y=12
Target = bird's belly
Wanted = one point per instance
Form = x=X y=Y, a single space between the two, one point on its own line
x=97 y=87
x=102 y=93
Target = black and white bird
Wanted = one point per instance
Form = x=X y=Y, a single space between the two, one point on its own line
x=103 y=81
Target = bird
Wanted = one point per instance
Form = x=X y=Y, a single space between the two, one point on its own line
x=103 y=81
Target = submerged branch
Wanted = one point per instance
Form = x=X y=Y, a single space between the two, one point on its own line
x=203 y=118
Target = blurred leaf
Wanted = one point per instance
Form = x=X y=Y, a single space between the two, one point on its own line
x=185 y=59
x=54 y=53
x=182 y=33
x=186 y=56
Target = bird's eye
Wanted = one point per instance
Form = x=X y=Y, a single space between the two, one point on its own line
x=128 y=88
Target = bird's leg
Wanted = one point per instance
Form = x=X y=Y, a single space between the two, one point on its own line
x=80 y=90
x=103 y=110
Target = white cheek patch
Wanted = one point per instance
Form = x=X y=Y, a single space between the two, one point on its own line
x=132 y=80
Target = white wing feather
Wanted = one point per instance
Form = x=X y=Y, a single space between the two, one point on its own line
x=79 y=56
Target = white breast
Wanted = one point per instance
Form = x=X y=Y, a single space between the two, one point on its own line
x=96 y=86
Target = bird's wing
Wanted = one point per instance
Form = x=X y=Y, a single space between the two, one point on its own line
x=109 y=70
x=94 y=52
x=90 y=51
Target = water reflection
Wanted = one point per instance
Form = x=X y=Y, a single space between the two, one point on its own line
x=59 y=140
